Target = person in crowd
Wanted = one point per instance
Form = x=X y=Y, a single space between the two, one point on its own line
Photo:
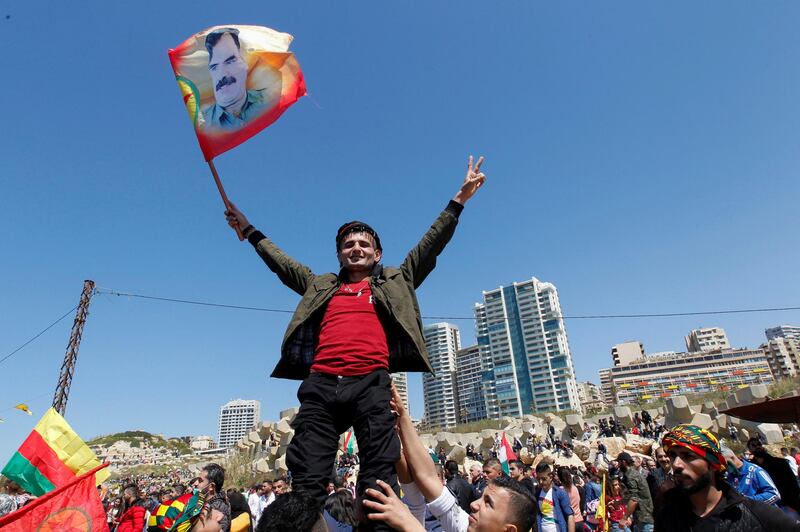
x=241 y=518
x=702 y=500
x=640 y=504
x=780 y=473
x=210 y=483
x=749 y=479
x=292 y=511
x=177 y=490
x=255 y=501
x=789 y=459
x=505 y=505
x=554 y=509
x=516 y=470
x=339 y=511
x=659 y=479
x=477 y=479
x=492 y=469
x=281 y=486
x=460 y=488
x=187 y=513
x=617 y=505
x=134 y=510
x=577 y=497
x=592 y=492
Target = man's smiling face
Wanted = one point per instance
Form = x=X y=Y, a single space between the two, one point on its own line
x=228 y=71
x=357 y=252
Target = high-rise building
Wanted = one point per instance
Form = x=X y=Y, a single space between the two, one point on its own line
x=703 y=371
x=590 y=397
x=627 y=352
x=791 y=332
x=783 y=355
x=606 y=386
x=469 y=383
x=236 y=419
x=487 y=364
x=707 y=339
x=521 y=328
x=400 y=381
x=442 y=340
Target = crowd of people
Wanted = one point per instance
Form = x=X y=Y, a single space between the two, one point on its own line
x=691 y=482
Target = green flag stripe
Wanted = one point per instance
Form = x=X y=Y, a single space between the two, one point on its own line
x=21 y=471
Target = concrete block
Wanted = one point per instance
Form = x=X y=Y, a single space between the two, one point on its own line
x=743 y=435
x=622 y=414
x=289 y=413
x=581 y=449
x=678 y=411
x=770 y=432
x=457 y=453
x=262 y=466
x=254 y=437
x=753 y=393
x=703 y=421
x=283 y=427
x=575 y=422
x=614 y=446
x=280 y=466
x=710 y=408
x=447 y=440
x=525 y=456
x=638 y=444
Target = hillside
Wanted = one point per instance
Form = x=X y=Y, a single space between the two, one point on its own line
x=142 y=439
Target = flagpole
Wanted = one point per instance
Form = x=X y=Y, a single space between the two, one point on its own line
x=225 y=199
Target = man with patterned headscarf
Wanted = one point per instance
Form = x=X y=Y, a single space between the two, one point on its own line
x=187 y=513
x=702 y=500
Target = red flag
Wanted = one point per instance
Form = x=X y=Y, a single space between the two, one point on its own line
x=75 y=507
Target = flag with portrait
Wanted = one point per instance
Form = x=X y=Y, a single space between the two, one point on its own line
x=235 y=81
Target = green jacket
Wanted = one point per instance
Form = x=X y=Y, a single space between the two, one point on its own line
x=393 y=289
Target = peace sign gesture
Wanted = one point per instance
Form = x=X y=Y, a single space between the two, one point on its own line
x=472 y=182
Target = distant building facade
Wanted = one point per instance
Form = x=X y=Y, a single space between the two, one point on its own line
x=606 y=386
x=791 y=332
x=708 y=339
x=400 y=381
x=590 y=396
x=236 y=419
x=202 y=443
x=704 y=371
x=522 y=333
x=470 y=385
x=783 y=355
x=627 y=352
x=442 y=341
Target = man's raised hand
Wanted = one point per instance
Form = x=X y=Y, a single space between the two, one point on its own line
x=472 y=182
x=236 y=219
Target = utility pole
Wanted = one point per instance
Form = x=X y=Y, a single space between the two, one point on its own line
x=68 y=367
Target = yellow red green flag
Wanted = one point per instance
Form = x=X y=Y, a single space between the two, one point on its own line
x=53 y=455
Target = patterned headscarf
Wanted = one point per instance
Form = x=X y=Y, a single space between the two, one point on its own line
x=699 y=441
x=177 y=515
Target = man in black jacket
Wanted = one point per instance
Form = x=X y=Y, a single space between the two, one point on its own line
x=460 y=488
x=702 y=501
x=778 y=469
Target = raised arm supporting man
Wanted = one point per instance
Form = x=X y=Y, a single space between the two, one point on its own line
x=350 y=330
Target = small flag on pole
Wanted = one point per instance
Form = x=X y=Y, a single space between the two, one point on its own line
x=505 y=453
x=51 y=457
x=235 y=81
x=24 y=408
x=350 y=443
x=600 y=514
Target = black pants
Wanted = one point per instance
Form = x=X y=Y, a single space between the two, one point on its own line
x=329 y=405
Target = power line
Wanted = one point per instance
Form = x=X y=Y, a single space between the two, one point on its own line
x=581 y=317
x=15 y=351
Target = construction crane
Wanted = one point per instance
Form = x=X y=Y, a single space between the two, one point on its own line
x=68 y=367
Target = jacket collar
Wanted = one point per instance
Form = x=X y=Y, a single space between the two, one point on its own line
x=376 y=273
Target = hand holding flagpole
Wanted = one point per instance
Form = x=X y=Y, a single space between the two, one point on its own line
x=225 y=199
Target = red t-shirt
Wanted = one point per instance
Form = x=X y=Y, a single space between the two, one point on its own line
x=351 y=339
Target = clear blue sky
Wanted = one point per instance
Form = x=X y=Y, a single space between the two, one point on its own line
x=642 y=158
